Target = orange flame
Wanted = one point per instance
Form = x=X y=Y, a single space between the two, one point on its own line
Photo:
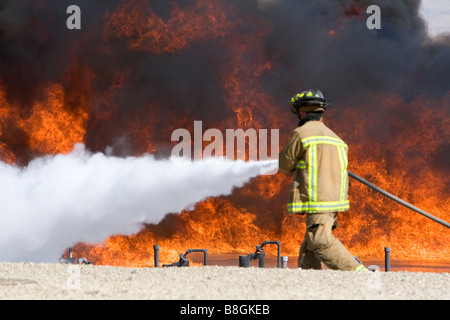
x=5 y=114
x=51 y=128
x=397 y=159
x=145 y=31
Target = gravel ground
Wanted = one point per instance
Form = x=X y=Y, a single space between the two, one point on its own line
x=58 y=281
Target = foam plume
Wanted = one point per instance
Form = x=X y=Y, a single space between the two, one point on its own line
x=57 y=201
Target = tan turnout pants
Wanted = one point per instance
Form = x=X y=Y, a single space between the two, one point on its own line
x=320 y=245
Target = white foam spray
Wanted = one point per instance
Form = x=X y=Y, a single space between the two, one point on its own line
x=58 y=201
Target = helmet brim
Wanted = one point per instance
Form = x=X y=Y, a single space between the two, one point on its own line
x=310 y=107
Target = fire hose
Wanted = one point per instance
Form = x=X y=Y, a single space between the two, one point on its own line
x=402 y=202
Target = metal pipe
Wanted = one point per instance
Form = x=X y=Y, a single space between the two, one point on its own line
x=183 y=262
x=156 y=251
x=278 y=243
x=205 y=254
x=387 y=259
x=83 y=260
x=284 y=260
x=402 y=202
x=244 y=261
x=70 y=259
x=261 y=256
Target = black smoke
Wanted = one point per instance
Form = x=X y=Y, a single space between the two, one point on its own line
x=312 y=44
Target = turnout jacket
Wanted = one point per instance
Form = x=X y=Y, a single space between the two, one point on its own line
x=318 y=158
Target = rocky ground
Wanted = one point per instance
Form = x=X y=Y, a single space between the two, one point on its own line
x=60 y=281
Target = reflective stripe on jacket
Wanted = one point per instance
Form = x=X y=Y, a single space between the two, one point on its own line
x=319 y=158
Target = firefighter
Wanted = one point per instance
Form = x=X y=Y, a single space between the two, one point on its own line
x=318 y=158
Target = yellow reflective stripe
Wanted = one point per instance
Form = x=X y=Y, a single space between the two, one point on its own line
x=344 y=162
x=344 y=175
x=310 y=176
x=361 y=268
x=312 y=180
x=301 y=164
x=322 y=140
x=315 y=173
x=314 y=206
x=311 y=170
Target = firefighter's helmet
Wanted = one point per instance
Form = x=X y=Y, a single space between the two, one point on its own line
x=309 y=101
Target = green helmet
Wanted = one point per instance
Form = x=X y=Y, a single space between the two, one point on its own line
x=309 y=101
